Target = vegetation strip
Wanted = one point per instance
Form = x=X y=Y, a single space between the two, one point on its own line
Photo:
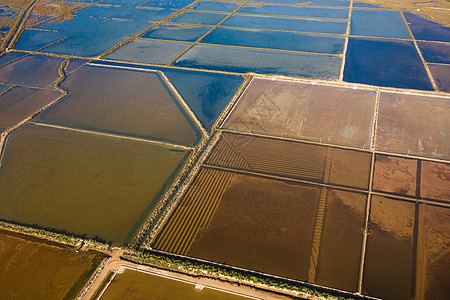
x=202 y=268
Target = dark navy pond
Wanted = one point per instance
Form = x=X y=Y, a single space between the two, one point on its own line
x=428 y=30
x=435 y=52
x=385 y=63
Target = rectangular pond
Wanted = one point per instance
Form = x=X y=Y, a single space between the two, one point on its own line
x=295 y=11
x=343 y=3
x=428 y=30
x=433 y=254
x=378 y=23
x=44 y=168
x=149 y=52
x=416 y=125
x=294 y=110
x=200 y=18
x=32 y=71
x=139 y=285
x=287 y=24
x=395 y=175
x=340 y=244
x=246 y=221
x=441 y=75
x=435 y=52
x=391 y=59
x=276 y=40
x=32 y=40
x=215 y=6
x=435 y=180
x=388 y=267
x=172 y=4
x=241 y=60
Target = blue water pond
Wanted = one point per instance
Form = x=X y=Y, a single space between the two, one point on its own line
x=296 y=11
x=150 y=52
x=276 y=40
x=96 y=29
x=385 y=63
x=260 y=61
x=378 y=23
x=205 y=18
x=176 y=32
x=366 y=5
x=289 y=24
x=428 y=30
x=33 y=40
x=175 y=4
x=344 y=3
x=215 y=6
x=207 y=94
x=435 y=52
x=8 y=57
